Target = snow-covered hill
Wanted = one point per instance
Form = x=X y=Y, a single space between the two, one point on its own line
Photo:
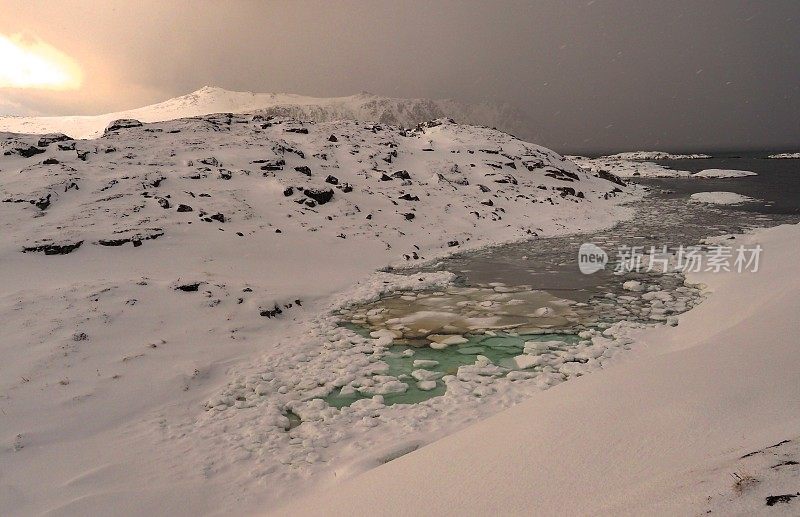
x=144 y=270
x=363 y=107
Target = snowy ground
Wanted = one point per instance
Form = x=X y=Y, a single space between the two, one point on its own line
x=168 y=291
x=785 y=156
x=701 y=420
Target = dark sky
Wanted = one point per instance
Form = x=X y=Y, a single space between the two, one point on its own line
x=593 y=75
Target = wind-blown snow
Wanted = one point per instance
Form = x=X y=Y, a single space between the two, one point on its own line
x=363 y=107
x=785 y=156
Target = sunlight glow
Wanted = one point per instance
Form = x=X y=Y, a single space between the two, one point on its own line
x=32 y=63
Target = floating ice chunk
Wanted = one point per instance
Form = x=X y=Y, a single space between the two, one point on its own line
x=445 y=339
x=426 y=375
x=537 y=347
x=408 y=352
x=482 y=360
x=544 y=312
x=425 y=363
x=386 y=388
x=522 y=362
x=426 y=385
x=386 y=333
x=633 y=285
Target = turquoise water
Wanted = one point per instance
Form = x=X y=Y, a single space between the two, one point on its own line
x=496 y=348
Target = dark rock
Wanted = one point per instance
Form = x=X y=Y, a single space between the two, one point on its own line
x=82 y=154
x=566 y=191
x=562 y=175
x=211 y=161
x=452 y=243
x=53 y=249
x=409 y=197
x=122 y=123
x=409 y=216
x=402 y=175
x=67 y=146
x=50 y=161
x=272 y=165
x=303 y=169
x=385 y=177
x=310 y=203
x=49 y=138
x=184 y=208
x=487 y=202
x=321 y=196
x=333 y=138
x=217 y=217
x=333 y=180
x=42 y=203
x=613 y=178
x=484 y=188
x=24 y=150
x=189 y=288
x=772 y=500
x=288 y=191
x=225 y=174
x=346 y=187
x=300 y=130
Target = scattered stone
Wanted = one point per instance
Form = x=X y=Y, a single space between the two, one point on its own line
x=184 y=208
x=189 y=288
x=321 y=196
x=303 y=169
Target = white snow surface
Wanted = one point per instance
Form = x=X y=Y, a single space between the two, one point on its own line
x=720 y=198
x=661 y=434
x=785 y=156
x=363 y=107
x=151 y=354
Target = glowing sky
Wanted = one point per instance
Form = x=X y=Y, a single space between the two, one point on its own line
x=35 y=64
x=593 y=74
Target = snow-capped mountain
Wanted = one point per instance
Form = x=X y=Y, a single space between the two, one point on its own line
x=363 y=107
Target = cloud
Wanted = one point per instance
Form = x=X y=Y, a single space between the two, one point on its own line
x=28 y=62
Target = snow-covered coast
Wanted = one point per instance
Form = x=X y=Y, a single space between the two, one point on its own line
x=165 y=283
x=641 y=168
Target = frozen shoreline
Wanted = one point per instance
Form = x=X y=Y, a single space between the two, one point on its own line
x=694 y=405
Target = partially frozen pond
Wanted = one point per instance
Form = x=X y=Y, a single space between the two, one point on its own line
x=525 y=309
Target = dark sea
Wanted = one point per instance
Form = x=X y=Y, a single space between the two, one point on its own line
x=777 y=186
